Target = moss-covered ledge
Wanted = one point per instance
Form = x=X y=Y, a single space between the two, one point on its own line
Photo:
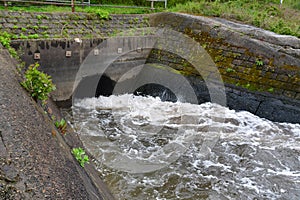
x=246 y=56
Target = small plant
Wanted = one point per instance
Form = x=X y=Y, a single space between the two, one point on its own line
x=39 y=17
x=44 y=27
x=248 y=85
x=102 y=14
x=14 y=37
x=37 y=83
x=35 y=27
x=271 y=90
x=61 y=126
x=259 y=62
x=46 y=36
x=80 y=156
x=5 y=39
x=22 y=36
x=53 y=117
x=24 y=29
x=33 y=36
x=229 y=70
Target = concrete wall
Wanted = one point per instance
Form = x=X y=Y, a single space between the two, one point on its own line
x=238 y=49
x=261 y=70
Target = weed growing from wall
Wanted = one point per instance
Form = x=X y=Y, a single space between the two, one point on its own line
x=5 y=39
x=61 y=126
x=37 y=83
x=80 y=156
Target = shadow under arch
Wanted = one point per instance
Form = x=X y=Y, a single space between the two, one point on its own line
x=156 y=90
x=163 y=39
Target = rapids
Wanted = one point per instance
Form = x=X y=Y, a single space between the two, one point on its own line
x=148 y=149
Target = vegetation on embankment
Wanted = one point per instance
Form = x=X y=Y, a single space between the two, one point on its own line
x=266 y=14
x=93 y=9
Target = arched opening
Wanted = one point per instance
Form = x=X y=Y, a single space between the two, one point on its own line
x=156 y=90
x=105 y=86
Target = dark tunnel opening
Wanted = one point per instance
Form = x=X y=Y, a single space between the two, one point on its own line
x=156 y=90
x=105 y=86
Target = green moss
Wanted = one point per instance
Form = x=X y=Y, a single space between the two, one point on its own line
x=249 y=77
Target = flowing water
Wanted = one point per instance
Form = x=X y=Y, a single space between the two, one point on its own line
x=148 y=149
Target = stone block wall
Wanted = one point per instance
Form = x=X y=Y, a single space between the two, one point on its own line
x=261 y=70
x=246 y=56
x=27 y=25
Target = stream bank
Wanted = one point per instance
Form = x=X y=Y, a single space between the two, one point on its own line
x=35 y=164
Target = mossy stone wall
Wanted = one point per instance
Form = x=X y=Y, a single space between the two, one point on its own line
x=246 y=56
x=27 y=25
x=261 y=70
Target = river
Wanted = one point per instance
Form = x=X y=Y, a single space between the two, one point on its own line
x=148 y=149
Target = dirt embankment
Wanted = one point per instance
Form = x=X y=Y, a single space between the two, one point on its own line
x=33 y=163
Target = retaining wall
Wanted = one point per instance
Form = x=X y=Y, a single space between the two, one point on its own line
x=27 y=25
x=260 y=69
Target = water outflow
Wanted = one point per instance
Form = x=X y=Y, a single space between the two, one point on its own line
x=149 y=149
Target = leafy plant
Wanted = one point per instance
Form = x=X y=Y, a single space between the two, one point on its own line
x=44 y=27
x=259 y=62
x=22 y=36
x=61 y=126
x=24 y=29
x=33 y=36
x=271 y=89
x=248 y=85
x=35 y=27
x=39 y=17
x=229 y=70
x=102 y=14
x=80 y=156
x=5 y=39
x=37 y=83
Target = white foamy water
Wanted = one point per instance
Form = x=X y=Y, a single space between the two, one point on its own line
x=148 y=149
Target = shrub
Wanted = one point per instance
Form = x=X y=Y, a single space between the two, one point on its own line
x=37 y=83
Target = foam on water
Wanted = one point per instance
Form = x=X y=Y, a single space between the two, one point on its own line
x=148 y=149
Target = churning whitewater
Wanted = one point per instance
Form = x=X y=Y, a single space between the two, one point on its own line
x=148 y=149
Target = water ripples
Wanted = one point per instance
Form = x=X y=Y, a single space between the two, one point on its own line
x=148 y=149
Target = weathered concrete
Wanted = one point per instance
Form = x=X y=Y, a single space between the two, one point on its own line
x=260 y=69
x=239 y=47
x=270 y=90
x=34 y=164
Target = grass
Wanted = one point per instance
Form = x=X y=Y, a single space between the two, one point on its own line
x=92 y=9
x=268 y=15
